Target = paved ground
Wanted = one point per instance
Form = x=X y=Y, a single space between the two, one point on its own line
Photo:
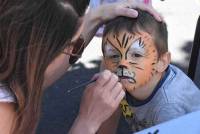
x=60 y=106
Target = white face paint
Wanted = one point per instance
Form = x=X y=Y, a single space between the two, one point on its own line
x=111 y=52
x=136 y=50
x=138 y=45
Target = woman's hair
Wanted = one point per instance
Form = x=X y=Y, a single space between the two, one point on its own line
x=144 y=22
x=32 y=34
x=80 y=6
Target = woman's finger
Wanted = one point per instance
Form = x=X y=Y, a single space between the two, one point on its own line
x=119 y=97
x=111 y=83
x=145 y=7
x=95 y=77
x=116 y=90
x=104 y=77
x=149 y=9
x=124 y=11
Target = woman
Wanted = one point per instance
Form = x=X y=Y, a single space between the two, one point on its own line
x=37 y=45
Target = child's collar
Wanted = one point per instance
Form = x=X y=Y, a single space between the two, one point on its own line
x=136 y=103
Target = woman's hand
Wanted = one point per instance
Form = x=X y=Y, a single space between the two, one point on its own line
x=97 y=17
x=107 y=12
x=99 y=102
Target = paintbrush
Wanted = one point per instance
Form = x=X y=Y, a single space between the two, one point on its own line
x=81 y=85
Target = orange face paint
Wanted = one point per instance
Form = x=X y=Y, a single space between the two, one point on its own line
x=131 y=56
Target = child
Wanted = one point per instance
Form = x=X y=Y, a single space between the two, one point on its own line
x=137 y=51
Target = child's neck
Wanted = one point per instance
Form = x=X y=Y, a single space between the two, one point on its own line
x=145 y=91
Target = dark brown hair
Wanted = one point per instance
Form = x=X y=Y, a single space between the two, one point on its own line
x=80 y=6
x=144 y=22
x=32 y=34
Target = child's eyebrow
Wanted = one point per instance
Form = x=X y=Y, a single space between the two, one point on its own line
x=141 y=43
x=124 y=43
x=118 y=42
x=112 y=45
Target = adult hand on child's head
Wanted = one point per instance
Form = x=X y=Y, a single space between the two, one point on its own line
x=126 y=8
x=100 y=15
x=101 y=98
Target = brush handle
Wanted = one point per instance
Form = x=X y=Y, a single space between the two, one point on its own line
x=81 y=85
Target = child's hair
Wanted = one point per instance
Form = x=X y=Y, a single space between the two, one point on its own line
x=144 y=22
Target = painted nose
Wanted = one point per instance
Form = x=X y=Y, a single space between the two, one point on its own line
x=123 y=66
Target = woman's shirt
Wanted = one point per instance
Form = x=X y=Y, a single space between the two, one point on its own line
x=5 y=95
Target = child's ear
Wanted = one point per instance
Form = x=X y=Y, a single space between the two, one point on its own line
x=163 y=62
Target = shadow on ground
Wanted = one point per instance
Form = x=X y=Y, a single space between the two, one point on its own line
x=60 y=107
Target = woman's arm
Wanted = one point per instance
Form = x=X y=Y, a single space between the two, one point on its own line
x=111 y=124
x=7 y=115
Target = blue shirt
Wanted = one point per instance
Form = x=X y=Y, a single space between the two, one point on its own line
x=174 y=96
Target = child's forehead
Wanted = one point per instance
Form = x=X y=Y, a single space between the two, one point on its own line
x=116 y=38
x=120 y=35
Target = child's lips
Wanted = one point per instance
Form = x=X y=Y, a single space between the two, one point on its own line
x=125 y=74
x=126 y=78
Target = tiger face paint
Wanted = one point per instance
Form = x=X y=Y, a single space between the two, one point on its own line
x=131 y=56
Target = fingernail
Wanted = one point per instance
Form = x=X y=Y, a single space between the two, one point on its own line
x=133 y=13
x=158 y=18
x=161 y=19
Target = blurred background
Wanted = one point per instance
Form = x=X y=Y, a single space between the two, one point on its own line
x=60 y=106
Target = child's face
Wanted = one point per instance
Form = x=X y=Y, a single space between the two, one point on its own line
x=131 y=56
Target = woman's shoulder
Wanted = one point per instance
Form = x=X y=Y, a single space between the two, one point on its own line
x=7 y=109
x=5 y=94
x=7 y=114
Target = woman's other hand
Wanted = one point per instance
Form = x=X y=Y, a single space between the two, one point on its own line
x=100 y=15
x=127 y=8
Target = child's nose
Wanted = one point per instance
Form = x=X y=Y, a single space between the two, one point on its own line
x=123 y=64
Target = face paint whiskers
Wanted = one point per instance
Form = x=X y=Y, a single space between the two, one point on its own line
x=125 y=74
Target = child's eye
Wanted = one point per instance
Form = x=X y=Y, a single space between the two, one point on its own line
x=114 y=56
x=136 y=55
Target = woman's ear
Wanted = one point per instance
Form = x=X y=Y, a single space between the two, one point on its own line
x=163 y=62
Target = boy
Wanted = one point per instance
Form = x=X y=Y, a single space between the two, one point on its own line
x=137 y=51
